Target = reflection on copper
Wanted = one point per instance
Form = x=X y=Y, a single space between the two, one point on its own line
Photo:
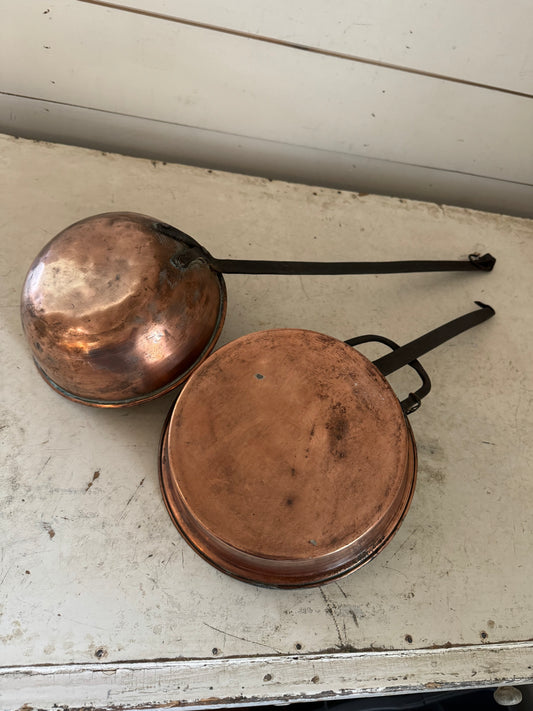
x=287 y=460
x=111 y=317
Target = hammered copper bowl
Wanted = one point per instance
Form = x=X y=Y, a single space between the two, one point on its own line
x=287 y=460
x=112 y=317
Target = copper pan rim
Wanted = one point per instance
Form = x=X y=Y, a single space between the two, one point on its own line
x=237 y=571
x=131 y=402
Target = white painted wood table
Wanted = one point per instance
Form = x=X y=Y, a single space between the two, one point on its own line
x=104 y=605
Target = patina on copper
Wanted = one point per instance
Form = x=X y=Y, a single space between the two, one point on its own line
x=287 y=459
x=111 y=315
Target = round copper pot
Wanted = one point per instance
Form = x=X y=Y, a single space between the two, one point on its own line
x=112 y=316
x=287 y=459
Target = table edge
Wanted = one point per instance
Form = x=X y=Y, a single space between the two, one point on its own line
x=239 y=681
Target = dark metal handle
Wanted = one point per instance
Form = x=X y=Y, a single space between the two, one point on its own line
x=413 y=350
x=195 y=252
x=412 y=402
x=475 y=262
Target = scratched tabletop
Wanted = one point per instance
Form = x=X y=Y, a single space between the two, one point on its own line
x=102 y=604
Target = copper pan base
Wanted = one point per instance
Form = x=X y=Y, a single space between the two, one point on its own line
x=112 y=317
x=286 y=460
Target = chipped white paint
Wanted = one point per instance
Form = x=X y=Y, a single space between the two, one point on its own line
x=234 y=682
x=92 y=572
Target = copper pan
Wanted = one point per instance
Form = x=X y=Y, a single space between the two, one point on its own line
x=287 y=459
x=120 y=308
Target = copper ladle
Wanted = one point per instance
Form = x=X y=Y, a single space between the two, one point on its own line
x=287 y=460
x=120 y=308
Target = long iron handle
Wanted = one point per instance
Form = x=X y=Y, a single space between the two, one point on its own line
x=404 y=355
x=195 y=251
x=478 y=262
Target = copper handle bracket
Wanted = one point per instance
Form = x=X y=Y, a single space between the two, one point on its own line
x=192 y=251
x=413 y=401
x=190 y=256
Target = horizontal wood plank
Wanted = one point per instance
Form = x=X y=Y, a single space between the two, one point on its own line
x=487 y=41
x=105 y=59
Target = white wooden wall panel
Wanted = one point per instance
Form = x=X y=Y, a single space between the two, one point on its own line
x=486 y=41
x=245 y=92
x=156 y=69
x=212 y=149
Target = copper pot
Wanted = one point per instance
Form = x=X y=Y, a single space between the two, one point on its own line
x=287 y=459
x=120 y=308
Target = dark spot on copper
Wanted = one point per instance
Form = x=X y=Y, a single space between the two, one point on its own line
x=337 y=425
x=259 y=376
x=289 y=502
x=408 y=639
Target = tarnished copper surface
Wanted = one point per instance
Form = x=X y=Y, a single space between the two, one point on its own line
x=287 y=460
x=111 y=319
